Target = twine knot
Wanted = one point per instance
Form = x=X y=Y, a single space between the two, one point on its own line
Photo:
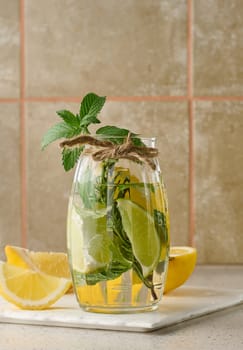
x=105 y=149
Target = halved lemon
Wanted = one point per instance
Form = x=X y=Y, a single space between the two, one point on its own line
x=88 y=240
x=52 y=263
x=182 y=262
x=30 y=289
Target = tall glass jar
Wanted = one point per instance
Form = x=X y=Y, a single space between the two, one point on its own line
x=118 y=232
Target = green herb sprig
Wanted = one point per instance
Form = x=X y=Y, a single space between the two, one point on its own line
x=77 y=124
x=74 y=125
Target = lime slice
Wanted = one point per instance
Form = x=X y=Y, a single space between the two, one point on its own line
x=88 y=241
x=140 y=229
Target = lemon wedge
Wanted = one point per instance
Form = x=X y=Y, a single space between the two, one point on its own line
x=30 y=289
x=52 y=263
x=182 y=262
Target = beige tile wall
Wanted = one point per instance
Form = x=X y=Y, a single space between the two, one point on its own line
x=219 y=181
x=131 y=47
x=218 y=33
x=9 y=48
x=125 y=49
x=10 y=231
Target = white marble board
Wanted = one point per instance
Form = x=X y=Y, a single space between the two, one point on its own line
x=183 y=304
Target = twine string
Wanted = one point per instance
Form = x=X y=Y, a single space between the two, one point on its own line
x=104 y=149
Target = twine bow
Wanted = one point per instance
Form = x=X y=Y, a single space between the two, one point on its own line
x=106 y=149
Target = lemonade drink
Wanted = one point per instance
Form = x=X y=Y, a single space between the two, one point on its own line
x=118 y=237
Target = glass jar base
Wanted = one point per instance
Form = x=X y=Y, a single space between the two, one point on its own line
x=119 y=310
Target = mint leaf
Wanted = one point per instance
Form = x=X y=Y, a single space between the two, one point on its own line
x=70 y=157
x=89 y=119
x=120 y=133
x=99 y=276
x=58 y=131
x=69 y=118
x=161 y=226
x=113 y=131
x=91 y=105
x=87 y=190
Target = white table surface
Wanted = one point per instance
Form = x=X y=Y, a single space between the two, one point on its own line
x=220 y=330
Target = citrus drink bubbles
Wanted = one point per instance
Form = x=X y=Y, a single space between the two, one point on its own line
x=118 y=235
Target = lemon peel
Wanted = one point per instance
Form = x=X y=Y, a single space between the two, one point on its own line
x=182 y=262
x=30 y=289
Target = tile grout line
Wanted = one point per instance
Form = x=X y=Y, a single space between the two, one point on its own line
x=218 y=98
x=147 y=98
x=9 y=100
x=192 y=213
x=22 y=130
x=191 y=164
x=125 y=99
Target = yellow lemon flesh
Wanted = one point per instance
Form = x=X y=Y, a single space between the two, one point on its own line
x=182 y=262
x=88 y=240
x=52 y=263
x=30 y=289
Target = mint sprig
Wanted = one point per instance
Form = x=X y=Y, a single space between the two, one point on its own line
x=74 y=125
